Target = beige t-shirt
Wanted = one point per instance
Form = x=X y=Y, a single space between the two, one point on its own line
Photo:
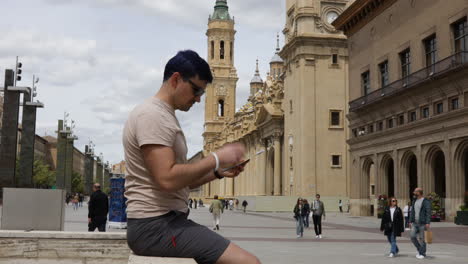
x=153 y=122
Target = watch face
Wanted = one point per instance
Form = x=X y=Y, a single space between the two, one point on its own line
x=331 y=16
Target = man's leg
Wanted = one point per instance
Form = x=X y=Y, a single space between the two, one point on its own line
x=102 y=227
x=314 y=218
x=414 y=234
x=422 y=242
x=234 y=255
x=91 y=227
x=319 y=224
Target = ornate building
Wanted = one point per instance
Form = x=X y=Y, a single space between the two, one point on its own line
x=409 y=101
x=292 y=124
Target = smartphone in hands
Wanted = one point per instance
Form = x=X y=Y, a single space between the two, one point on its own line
x=237 y=165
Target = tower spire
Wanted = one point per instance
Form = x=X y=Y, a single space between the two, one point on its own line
x=256 y=78
x=221 y=11
x=277 y=43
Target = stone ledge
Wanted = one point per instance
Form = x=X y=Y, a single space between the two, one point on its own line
x=62 y=235
x=134 y=259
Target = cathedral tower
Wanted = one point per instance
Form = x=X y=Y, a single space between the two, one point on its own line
x=220 y=101
x=315 y=100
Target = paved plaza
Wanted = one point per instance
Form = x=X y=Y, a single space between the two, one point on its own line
x=271 y=236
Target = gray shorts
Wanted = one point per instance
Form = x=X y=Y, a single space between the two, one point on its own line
x=173 y=235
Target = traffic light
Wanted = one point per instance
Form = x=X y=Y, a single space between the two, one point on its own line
x=18 y=71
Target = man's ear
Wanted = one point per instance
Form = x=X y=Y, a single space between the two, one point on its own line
x=174 y=79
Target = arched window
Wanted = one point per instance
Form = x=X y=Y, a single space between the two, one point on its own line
x=212 y=49
x=221 y=50
x=221 y=107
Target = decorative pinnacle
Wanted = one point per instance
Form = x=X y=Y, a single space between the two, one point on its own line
x=277 y=42
x=256 y=70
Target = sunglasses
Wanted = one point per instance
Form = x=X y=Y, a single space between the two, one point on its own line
x=197 y=90
x=394 y=201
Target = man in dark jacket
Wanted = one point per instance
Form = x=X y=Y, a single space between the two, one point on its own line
x=98 y=207
x=420 y=220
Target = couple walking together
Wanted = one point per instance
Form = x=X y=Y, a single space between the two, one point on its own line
x=420 y=218
x=301 y=214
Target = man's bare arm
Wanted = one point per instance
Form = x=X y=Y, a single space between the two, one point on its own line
x=205 y=179
x=169 y=176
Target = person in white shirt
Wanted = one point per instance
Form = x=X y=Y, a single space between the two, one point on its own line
x=406 y=211
x=392 y=225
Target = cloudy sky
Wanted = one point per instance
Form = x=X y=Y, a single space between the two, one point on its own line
x=97 y=59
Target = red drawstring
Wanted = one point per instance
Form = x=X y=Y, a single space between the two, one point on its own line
x=173 y=241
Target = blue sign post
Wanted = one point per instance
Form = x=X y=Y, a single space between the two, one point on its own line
x=117 y=207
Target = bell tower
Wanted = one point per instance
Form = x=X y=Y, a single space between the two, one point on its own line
x=220 y=100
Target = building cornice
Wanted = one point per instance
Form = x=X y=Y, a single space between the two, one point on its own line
x=359 y=14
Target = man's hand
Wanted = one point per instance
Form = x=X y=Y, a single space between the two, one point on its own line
x=234 y=172
x=89 y=220
x=230 y=154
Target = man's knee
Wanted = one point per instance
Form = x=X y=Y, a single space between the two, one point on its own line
x=234 y=254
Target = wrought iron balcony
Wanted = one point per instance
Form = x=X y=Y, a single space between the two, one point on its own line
x=456 y=61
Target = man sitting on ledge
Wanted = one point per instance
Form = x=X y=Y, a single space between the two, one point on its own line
x=159 y=179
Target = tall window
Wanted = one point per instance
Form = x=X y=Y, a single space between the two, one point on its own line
x=460 y=32
x=425 y=112
x=231 y=50
x=438 y=108
x=212 y=49
x=412 y=116
x=221 y=50
x=405 y=60
x=454 y=104
x=221 y=108
x=430 y=48
x=383 y=67
x=334 y=58
x=335 y=118
x=365 y=82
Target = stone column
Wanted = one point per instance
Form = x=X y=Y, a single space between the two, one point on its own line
x=9 y=134
x=261 y=164
x=61 y=156
x=69 y=162
x=277 y=172
x=89 y=170
x=28 y=134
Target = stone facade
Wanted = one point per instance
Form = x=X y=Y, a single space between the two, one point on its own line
x=293 y=123
x=63 y=247
x=409 y=100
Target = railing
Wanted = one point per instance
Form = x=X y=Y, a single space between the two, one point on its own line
x=455 y=61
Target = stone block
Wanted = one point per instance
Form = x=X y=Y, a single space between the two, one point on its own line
x=134 y=259
x=36 y=209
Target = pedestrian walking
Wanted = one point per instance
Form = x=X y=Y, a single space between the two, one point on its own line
x=318 y=211
x=68 y=198
x=392 y=225
x=340 y=205
x=406 y=213
x=216 y=209
x=349 y=205
x=244 y=205
x=80 y=199
x=190 y=203
x=200 y=203
x=420 y=221
x=231 y=204
x=299 y=214
x=159 y=178
x=75 y=201
x=98 y=208
x=307 y=209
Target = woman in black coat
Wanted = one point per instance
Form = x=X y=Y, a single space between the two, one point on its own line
x=393 y=225
x=299 y=214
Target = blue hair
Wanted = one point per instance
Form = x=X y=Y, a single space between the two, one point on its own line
x=189 y=64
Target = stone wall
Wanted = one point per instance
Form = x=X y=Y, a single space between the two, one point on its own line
x=63 y=247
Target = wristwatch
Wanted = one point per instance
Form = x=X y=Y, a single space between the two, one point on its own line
x=216 y=173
